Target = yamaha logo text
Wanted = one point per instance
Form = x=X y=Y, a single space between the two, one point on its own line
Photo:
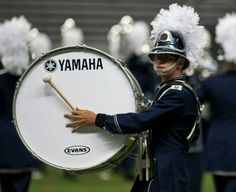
x=77 y=150
x=80 y=64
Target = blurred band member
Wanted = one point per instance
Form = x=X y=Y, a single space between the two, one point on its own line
x=16 y=163
x=219 y=91
x=39 y=44
x=71 y=34
x=203 y=69
x=138 y=62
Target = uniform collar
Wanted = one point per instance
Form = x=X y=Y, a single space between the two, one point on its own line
x=180 y=78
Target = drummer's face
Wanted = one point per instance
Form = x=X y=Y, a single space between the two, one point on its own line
x=164 y=62
x=165 y=59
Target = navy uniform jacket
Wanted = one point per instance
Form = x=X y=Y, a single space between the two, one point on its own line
x=220 y=92
x=171 y=119
x=14 y=157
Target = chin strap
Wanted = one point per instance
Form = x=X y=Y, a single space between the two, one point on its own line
x=170 y=68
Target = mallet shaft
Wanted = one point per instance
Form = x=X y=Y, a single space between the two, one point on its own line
x=50 y=82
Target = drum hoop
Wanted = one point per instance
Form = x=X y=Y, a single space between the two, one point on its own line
x=131 y=139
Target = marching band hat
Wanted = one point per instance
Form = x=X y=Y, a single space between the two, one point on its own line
x=176 y=31
x=169 y=42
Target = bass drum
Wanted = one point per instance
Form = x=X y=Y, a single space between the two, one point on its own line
x=89 y=78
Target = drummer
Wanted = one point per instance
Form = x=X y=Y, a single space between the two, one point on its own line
x=174 y=111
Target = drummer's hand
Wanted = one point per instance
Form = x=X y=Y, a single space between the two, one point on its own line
x=80 y=118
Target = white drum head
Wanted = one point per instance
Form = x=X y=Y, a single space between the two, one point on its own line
x=89 y=79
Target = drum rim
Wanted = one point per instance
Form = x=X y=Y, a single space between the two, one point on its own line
x=130 y=141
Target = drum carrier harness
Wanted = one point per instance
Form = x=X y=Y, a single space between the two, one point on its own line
x=146 y=162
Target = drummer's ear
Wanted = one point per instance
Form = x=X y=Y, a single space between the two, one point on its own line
x=181 y=63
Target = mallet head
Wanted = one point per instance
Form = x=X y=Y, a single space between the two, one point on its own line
x=47 y=79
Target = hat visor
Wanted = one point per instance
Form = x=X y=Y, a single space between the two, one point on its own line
x=152 y=55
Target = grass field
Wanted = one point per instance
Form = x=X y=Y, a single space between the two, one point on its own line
x=54 y=181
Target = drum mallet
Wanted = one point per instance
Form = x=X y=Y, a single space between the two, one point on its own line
x=48 y=80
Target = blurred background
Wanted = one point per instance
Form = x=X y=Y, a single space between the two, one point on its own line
x=95 y=18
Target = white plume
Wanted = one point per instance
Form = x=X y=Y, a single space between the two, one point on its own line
x=72 y=36
x=14 y=51
x=204 y=58
x=206 y=36
x=183 y=20
x=138 y=37
x=225 y=36
x=113 y=38
x=39 y=44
